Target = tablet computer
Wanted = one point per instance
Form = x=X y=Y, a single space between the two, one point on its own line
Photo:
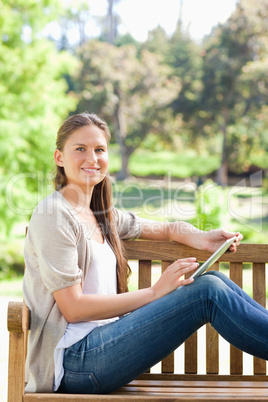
x=210 y=261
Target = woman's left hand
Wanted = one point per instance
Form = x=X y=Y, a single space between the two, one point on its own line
x=213 y=239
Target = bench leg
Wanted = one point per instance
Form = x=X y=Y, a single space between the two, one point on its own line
x=16 y=367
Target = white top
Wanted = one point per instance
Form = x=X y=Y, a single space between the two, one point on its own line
x=100 y=279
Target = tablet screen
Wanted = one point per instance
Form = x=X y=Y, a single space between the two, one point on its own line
x=211 y=260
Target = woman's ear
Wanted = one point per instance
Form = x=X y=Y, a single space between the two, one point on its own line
x=58 y=157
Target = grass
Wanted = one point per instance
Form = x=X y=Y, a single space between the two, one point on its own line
x=151 y=199
x=11 y=287
x=161 y=163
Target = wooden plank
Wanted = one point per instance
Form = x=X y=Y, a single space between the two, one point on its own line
x=18 y=317
x=16 y=367
x=156 y=393
x=212 y=350
x=199 y=384
x=212 y=342
x=144 y=274
x=145 y=277
x=195 y=389
x=206 y=377
x=171 y=251
x=167 y=365
x=259 y=294
x=190 y=351
x=18 y=322
x=236 y=356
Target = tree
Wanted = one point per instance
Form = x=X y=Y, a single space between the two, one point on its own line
x=184 y=58
x=33 y=102
x=158 y=43
x=186 y=62
x=69 y=30
x=227 y=99
x=131 y=90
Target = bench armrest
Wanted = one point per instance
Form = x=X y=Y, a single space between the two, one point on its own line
x=18 y=317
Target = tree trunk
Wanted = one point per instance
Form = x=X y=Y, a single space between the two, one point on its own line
x=222 y=173
x=121 y=131
x=124 y=172
x=110 y=22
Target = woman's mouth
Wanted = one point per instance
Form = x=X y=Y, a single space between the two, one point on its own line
x=90 y=170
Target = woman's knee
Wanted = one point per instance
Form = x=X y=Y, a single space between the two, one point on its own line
x=211 y=282
x=215 y=273
x=211 y=276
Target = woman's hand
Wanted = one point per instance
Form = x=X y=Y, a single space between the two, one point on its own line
x=171 y=277
x=213 y=239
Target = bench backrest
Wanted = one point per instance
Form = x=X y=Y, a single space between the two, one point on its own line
x=250 y=256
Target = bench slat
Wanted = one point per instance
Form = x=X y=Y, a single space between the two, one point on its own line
x=144 y=274
x=259 y=294
x=167 y=365
x=190 y=351
x=199 y=383
x=247 y=378
x=171 y=251
x=152 y=393
x=236 y=356
x=212 y=342
x=216 y=391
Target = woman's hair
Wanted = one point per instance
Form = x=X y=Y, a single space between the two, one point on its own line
x=101 y=201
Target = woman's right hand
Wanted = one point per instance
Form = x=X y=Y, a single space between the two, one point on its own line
x=76 y=306
x=171 y=277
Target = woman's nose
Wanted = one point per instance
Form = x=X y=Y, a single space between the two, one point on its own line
x=91 y=156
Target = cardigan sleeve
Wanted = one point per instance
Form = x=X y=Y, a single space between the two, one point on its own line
x=51 y=248
x=129 y=225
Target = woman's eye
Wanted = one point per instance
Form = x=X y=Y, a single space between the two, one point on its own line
x=100 y=150
x=80 y=149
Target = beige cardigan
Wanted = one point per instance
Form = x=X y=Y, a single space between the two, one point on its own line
x=58 y=254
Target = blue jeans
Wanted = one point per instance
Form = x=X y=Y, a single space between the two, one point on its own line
x=115 y=354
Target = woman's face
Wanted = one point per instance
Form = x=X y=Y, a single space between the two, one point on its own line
x=84 y=157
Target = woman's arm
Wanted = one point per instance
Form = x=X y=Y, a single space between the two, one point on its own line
x=76 y=306
x=185 y=233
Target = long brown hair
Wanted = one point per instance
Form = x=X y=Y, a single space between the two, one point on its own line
x=101 y=201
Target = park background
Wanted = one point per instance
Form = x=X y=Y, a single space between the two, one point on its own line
x=188 y=113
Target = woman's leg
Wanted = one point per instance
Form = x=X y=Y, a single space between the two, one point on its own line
x=116 y=353
x=238 y=290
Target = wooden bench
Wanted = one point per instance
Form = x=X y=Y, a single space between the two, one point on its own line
x=166 y=386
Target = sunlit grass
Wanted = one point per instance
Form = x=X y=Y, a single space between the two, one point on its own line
x=11 y=287
x=161 y=163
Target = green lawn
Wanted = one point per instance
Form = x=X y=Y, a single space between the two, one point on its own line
x=11 y=287
x=162 y=163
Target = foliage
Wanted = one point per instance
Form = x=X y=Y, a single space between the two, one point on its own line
x=165 y=95
x=131 y=90
x=34 y=100
x=211 y=206
x=230 y=100
x=185 y=58
x=222 y=90
x=11 y=260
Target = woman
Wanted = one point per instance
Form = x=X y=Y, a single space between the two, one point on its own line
x=88 y=334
